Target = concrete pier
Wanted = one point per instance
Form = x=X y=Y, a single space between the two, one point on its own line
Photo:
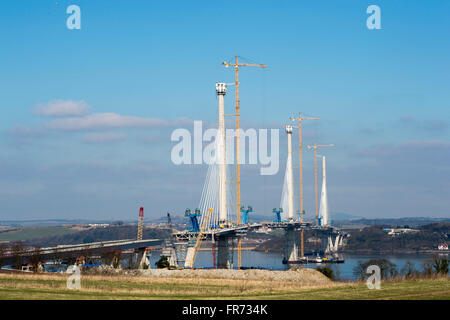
x=223 y=252
x=291 y=248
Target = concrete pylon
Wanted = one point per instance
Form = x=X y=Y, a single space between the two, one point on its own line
x=323 y=212
x=221 y=90
x=223 y=252
x=290 y=178
x=291 y=253
x=115 y=262
x=171 y=255
x=189 y=261
x=144 y=261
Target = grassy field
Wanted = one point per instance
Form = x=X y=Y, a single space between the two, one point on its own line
x=52 y=287
x=28 y=233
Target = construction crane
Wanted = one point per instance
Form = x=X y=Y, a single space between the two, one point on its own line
x=169 y=223
x=140 y=224
x=245 y=213
x=315 y=147
x=277 y=214
x=300 y=147
x=201 y=233
x=236 y=66
x=194 y=221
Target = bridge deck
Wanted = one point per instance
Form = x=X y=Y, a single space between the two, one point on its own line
x=87 y=247
x=239 y=230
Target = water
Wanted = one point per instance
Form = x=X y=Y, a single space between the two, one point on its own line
x=273 y=261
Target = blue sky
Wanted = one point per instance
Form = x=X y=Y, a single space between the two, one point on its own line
x=383 y=97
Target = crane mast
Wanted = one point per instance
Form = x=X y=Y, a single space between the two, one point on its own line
x=300 y=147
x=200 y=235
x=236 y=65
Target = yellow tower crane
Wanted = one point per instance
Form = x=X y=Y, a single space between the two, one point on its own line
x=203 y=228
x=315 y=147
x=300 y=146
x=236 y=66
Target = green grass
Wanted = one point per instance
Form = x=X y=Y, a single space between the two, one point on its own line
x=53 y=287
x=399 y=290
x=29 y=233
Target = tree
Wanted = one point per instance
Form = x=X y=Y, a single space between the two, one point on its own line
x=387 y=268
x=408 y=271
x=327 y=271
x=428 y=267
x=440 y=265
x=359 y=271
x=163 y=262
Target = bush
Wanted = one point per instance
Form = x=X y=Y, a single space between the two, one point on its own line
x=163 y=262
x=327 y=271
x=387 y=268
x=440 y=265
x=435 y=266
x=408 y=271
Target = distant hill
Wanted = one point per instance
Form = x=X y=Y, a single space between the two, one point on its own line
x=53 y=222
x=98 y=234
x=409 y=221
x=343 y=216
x=373 y=239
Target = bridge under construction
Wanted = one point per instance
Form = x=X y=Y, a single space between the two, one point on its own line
x=77 y=253
x=215 y=219
x=221 y=218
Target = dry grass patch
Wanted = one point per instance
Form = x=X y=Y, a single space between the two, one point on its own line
x=126 y=286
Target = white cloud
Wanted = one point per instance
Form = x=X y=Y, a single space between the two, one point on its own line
x=62 y=108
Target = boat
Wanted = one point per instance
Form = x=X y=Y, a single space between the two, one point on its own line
x=300 y=261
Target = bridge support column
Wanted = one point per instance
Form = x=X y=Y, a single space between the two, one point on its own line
x=115 y=261
x=291 y=253
x=141 y=259
x=223 y=253
x=189 y=262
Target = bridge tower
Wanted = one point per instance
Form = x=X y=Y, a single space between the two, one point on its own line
x=223 y=242
x=221 y=90
x=140 y=224
x=291 y=253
